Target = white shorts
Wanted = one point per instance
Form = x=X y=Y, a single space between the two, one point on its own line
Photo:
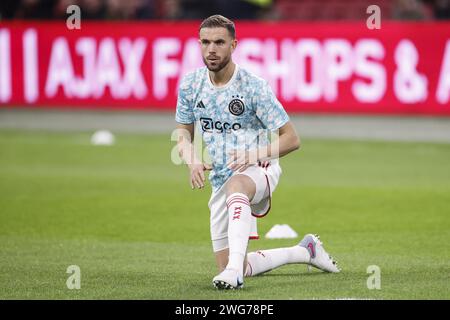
x=266 y=180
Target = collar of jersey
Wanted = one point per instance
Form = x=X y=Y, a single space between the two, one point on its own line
x=229 y=83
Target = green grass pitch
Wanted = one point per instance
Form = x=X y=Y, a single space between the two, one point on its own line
x=127 y=217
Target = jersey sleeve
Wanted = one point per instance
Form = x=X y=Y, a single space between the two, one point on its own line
x=268 y=109
x=184 y=113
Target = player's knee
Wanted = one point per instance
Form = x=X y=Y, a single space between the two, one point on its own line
x=241 y=184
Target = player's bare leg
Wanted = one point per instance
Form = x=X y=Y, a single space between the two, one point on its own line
x=240 y=191
x=222 y=260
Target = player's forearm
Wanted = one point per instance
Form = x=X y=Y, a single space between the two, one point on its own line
x=285 y=144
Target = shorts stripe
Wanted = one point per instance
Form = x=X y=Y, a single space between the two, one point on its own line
x=270 y=202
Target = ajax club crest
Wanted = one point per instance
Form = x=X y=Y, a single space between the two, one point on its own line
x=236 y=106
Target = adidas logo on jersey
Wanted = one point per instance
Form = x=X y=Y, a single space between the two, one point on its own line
x=200 y=105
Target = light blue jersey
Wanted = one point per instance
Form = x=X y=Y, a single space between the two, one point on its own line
x=239 y=115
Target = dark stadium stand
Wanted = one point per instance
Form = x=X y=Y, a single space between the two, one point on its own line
x=306 y=10
x=329 y=9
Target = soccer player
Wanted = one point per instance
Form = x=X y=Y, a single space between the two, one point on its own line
x=237 y=113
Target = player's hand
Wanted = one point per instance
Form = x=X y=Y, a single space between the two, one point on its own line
x=197 y=176
x=263 y=164
x=241 y=160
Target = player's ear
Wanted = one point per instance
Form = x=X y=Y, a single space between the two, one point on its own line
x=234 y=44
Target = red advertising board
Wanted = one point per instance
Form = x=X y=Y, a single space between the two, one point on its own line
x=402 y=68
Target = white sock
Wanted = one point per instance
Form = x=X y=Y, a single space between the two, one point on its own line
x=239 y=225
x=265 y=260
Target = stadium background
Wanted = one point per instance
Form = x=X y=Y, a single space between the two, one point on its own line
x=372 y=178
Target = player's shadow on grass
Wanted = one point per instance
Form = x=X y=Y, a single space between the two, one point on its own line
x=268 y=275
x=300 y=273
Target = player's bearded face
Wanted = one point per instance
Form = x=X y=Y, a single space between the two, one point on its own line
x=217 y=46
